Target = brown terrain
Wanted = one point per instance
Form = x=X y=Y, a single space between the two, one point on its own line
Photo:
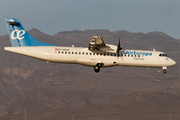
x=32 y=89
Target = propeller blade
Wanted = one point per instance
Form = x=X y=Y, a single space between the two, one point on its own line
x=118 y=48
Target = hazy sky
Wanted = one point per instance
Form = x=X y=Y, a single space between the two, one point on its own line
x=52 y=16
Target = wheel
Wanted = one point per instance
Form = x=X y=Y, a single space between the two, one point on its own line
x=164 y=71
x=96 y=69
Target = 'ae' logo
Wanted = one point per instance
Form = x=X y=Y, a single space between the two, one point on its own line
x=17 y=34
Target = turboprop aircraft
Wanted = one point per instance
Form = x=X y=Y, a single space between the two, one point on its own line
x=97 y=54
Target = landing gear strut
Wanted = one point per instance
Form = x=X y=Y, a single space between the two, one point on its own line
x=97 y=67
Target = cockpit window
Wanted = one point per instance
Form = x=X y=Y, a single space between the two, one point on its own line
x=163 y=55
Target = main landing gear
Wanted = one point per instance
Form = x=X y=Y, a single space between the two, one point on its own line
x=97 y=67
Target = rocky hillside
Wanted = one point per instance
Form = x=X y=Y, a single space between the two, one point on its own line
x=50 y=88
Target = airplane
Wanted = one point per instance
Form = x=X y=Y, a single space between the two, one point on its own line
x=97 y=54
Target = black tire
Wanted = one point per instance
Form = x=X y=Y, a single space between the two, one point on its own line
x=96 y=69
x=164 y=71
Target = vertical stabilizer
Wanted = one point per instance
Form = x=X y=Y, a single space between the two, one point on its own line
x=19 y=37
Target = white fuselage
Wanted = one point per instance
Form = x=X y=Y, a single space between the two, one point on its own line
x=83 y=56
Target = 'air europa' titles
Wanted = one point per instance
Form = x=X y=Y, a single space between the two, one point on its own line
x=139 y=53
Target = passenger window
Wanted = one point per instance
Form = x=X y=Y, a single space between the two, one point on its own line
x=131 y=55
x=104 y=54
x=69 y=52
x=138 y=55
x=58 y=51
x=75 y=52
x=65 y=52
x=100 y=53
x=128 y=55
x=79 y=52
x=72 y=52
x=83 y=53
x=62 y=52
x=107 y=54
x=86 y=53
x=114 y=54
x=134 y=55
x=97 y=53
x=90 y=53
x=111 y=54
x=93 y=53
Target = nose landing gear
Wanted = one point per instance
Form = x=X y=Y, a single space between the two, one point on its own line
x=164 y=70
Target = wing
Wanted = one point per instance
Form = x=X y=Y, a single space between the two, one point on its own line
x=97 y=43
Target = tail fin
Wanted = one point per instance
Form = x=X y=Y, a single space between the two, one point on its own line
x=19 y=37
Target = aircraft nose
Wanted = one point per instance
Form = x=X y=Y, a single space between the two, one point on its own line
x=173 y=62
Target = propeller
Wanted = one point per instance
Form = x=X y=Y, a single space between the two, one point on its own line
x=118 y=48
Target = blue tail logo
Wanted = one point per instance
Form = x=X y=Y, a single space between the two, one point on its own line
x=19 y=37
x=16 y=34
